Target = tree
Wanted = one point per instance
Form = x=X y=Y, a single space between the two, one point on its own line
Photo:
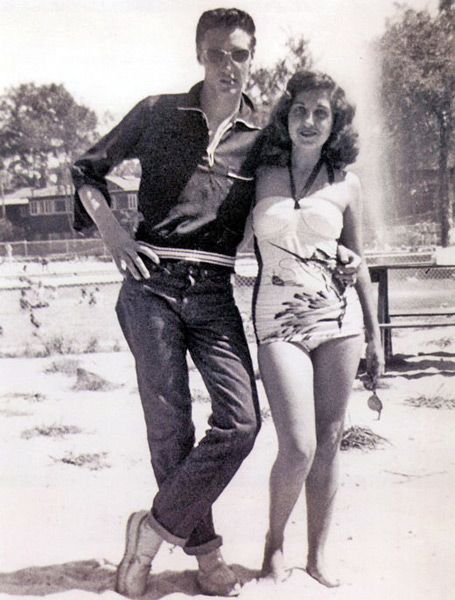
x=418 y=85
x=6 y=230
x=266 y=85
x=445 y=4
x=42 y=129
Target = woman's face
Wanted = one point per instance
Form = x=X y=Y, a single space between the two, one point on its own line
x=310 y=119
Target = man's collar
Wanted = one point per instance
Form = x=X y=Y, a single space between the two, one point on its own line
x=245 y=115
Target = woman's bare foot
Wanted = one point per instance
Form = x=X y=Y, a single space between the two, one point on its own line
x=273 y=562
x=318 y=573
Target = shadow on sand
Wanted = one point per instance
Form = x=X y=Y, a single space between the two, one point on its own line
x=411 y=366
x=97 y=577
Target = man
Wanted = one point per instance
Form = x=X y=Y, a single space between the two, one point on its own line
x=197 y=154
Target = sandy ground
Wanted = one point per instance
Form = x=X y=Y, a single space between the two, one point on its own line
x=74 y=464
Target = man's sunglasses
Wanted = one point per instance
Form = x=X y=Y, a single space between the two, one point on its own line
x=216 y=55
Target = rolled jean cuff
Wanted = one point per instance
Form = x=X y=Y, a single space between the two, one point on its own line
x=205 y=548
x=164 y=533
x=167 y=536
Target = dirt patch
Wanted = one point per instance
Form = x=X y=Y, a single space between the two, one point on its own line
x=88 y=381
x=54 y=431
x=431 y=402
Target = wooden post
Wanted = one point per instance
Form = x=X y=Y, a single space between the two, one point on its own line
x=379 y=275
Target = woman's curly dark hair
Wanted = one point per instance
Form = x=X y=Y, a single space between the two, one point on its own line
x=341 y=147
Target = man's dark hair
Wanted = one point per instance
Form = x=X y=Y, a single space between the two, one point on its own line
x=227 y=18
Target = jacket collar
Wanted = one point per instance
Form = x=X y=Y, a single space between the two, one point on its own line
x=245 y=115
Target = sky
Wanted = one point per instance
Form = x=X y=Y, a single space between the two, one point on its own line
x=109 y=54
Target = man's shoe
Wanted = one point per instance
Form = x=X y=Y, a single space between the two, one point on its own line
x=142 y=544
x=215 y=578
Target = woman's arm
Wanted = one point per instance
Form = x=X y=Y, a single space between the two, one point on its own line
x=248 y=235
x=351 y=237
x=263 y=185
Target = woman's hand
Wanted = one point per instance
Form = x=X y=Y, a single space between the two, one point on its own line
x=125 y=252
x=375 y=360
x=348 y=263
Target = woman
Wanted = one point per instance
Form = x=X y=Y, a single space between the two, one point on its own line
x=308 y=321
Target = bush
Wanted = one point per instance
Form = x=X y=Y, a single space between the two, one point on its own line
x=361 y=438
x=8 y=231
x=59 y=345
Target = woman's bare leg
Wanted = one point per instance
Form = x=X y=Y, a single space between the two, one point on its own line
x=335 y=365
x=287 y=374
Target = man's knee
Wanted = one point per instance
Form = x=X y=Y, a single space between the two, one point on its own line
x=245 y=435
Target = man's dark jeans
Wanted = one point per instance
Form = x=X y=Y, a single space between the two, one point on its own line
x=185 y=307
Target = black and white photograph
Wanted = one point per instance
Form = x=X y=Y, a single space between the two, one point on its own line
x=227 y=299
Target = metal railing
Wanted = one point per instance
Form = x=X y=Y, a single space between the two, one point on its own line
x=53 y=248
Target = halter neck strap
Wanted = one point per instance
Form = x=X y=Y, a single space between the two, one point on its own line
x=298 y=195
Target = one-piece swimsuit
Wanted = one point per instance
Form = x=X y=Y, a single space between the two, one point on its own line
x=298 y=296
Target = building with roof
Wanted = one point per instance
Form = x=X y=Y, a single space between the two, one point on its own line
x=47 y=213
